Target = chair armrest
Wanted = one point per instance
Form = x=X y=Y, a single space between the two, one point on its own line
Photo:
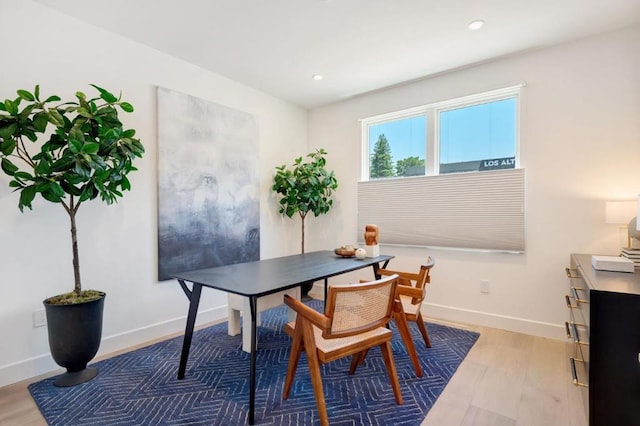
x=407 y=290
x=401 y=275
x=312 y=315
x=404 y=290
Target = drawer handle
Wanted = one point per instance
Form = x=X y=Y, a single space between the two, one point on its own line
x=574 y=373
x=576 y=297
x=567 y=299
x=570 y=273
x=572 y=332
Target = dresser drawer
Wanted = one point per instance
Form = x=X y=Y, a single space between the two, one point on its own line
x=577 y=333
x=577 y=327
x=604 y=328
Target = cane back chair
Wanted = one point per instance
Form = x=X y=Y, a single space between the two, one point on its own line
x=355 y=319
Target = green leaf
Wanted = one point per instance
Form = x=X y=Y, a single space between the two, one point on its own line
x=55 y=117
x=50 y=196
x=76 y=134
x=7 y=146
x=105 y=95
x=8 y=167
x=126 y=185
x=8 y=130
x=71 y=189
x=130 y=133
x=84 y=112
x=63 y=164
x=40 y=121
x=23 y=176
x=75 y=146
x=90 y=148
x=53 y=98
x=27 y=96
x=26 y=197
x=36 y=92
x=55 y=188
x=126 y=106
x=43 y=168
x=11 y=106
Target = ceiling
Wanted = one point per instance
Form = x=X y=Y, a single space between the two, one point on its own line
x=357 y=45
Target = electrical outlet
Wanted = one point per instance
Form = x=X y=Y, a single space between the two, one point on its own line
x=484 y=286
x=39 y=318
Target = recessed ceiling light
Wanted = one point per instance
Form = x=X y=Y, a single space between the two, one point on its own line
x=476 y=25
x=317 y=77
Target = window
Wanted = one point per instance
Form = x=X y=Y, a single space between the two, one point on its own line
x=470 y=134
x=445 y=174
x=478 y=137
x=398 y=147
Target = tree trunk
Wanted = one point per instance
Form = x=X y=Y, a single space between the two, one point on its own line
x=302 y=234
x=74 y=247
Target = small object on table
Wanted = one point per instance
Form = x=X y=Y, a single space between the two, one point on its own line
x=345 y=251
x=612 y=263
x=361 y=253
x=371 y=235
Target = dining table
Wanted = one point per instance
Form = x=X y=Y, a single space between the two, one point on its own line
x=260 y=278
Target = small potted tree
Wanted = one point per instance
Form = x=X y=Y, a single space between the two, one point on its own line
x=305 y=188
x=69 y=153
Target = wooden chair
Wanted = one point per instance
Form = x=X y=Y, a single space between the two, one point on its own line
x=355 y=320
x=411 y=291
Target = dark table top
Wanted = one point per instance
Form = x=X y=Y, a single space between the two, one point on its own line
x=263 y=277
x=619 y=282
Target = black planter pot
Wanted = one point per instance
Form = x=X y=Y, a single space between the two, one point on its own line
x=75 y=332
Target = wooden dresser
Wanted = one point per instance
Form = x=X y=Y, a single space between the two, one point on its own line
x=604 y=324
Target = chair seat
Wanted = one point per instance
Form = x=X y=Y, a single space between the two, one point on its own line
x=408 y=307
x=342 y=344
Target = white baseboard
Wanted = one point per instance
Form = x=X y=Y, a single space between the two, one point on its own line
x=467 y=316
x=44 y=364
x=487 y=319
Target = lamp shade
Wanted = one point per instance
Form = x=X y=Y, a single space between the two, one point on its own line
x=621 y=212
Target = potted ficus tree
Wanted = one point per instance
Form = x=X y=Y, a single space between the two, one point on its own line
x=69 y=153
x=305 y=188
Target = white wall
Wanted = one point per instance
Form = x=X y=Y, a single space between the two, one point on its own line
x=580 y=146
x=117 y=243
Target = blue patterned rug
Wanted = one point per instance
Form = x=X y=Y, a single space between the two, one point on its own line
x=141 y=388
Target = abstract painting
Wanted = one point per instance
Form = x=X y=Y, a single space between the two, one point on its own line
x=208 y=184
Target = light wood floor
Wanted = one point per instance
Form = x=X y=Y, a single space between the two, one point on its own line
x=506 y=379
x=510 y=379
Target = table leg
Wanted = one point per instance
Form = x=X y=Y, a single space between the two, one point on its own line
x=376 y=266
x=326 y=289
x=194 y=299
x=253 y=302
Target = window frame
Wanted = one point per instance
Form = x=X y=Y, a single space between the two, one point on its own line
x=432 y=114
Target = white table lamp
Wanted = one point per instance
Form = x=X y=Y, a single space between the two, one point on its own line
x=620 y=213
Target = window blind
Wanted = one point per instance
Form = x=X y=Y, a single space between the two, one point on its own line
x=466 y=210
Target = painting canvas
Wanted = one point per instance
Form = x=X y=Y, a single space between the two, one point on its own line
x=208 y=184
